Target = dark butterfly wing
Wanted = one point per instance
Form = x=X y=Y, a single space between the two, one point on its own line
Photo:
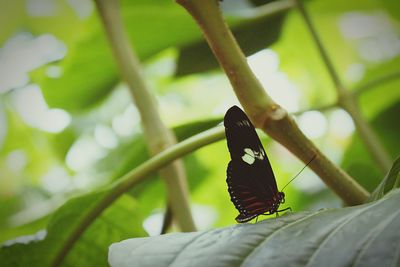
x=251 y=182
x=247 y=192
x=242 y=137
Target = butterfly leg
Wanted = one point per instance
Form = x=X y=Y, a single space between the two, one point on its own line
x=288 y=208
x=266 y=213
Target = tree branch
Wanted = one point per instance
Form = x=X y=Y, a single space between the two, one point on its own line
x=262 y=110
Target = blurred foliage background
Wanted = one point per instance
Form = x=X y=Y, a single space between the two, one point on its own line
x=68 y=125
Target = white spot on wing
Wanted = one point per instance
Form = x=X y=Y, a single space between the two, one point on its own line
x=249 y=151
x=248 y=159
x=243 y=123
x=248 y=156
x=259 y=154
x=251 y=155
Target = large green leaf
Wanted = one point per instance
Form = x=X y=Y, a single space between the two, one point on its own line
x=365 y=235
x=116 y=223
x=89 y=72
x=120 y=221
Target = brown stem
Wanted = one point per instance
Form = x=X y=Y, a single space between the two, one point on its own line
x=262 y=110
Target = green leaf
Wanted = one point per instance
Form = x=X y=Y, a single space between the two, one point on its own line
x=302 y=63
x=89 y=73
x=22 y=16
x=384 y=94
x=119 y=221
x=391 y=181
x=252 y=35
x=393 y=7
x=122 y=223
x=365 y=235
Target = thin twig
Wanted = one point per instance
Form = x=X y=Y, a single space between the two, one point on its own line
x=157 y=135
x=361 y=89
x=347 y=101
x=133 y=178
x=321 y=109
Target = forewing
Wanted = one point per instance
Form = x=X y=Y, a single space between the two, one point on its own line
x=244 y=146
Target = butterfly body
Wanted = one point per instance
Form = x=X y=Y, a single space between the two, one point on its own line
x=251 y=182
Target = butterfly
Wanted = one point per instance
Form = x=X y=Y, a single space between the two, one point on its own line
x=251 y=181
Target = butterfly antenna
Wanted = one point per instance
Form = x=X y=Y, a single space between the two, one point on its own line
x=300 y=171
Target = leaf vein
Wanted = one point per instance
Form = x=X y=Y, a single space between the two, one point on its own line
x=375 y=235
x=186 y=246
